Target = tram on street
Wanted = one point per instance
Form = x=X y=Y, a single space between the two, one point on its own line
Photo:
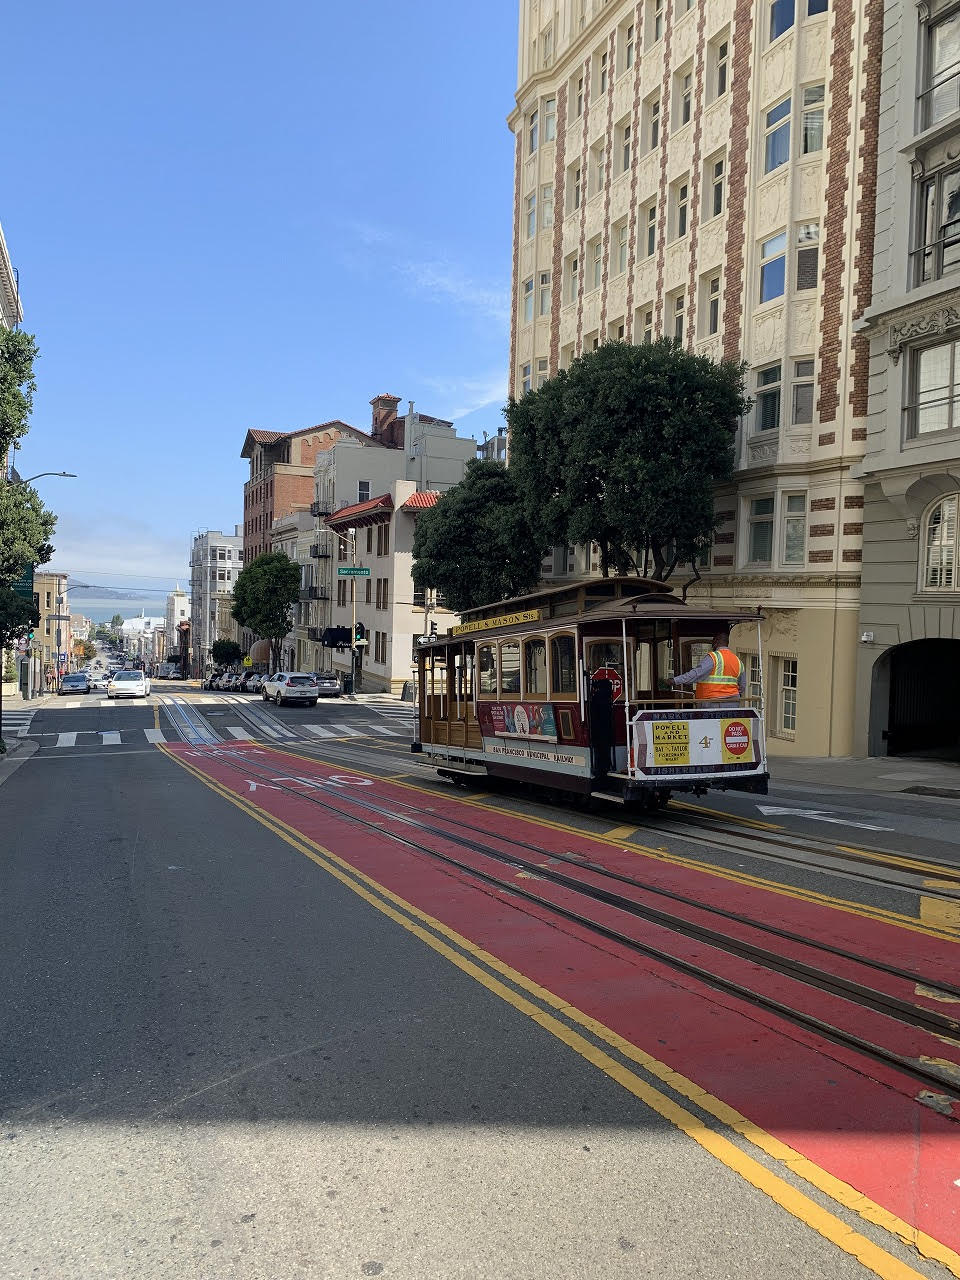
x=568 y=690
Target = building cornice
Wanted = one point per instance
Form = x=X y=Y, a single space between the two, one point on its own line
x=8 y=283
x=561 y=67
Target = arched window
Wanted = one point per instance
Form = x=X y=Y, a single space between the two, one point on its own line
x=940 y=545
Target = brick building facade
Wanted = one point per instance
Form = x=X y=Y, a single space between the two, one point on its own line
x=707 y=171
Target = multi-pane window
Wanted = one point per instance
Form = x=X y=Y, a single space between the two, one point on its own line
x=620 y=238
x=573 y=278
x=808 y=255
x=651 y=225
x=811 y=119
x=546 y=282
x=677 y=309
x=768 y=398
x=602 y=71
x=657 y=22
x=528 y=301
x=577 y=97
x=533 y=131
x=341 y=592
x=760 y=531
x=802 y=411
x=546 y=44
x=652 y=115
x=363 y=490
x=681 y=198
x=616 y=331
x=941 y=71
x=549 y=119
x=934 y=388
x=773 y=257
x=713 y=188
x=598 y=163
x=776 y=139
x=625 y=140
x=367 y=592
x=574 y=187
x=526 y=379
x=713 y=304
x=543 y=370
x=788 y=695
x=380 y=647
x=595 y=258
x=645 y=325
x=721 y=69
x=940 y=545
x=684 y=98
x=628 y=47
x=546 y=205
x=793 y=518
x=938 y=249
x=817 y=6
x=782 y=14
x=754 y=678
x=530 y=214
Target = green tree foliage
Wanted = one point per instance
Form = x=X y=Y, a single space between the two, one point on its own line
x=18 y=351
x=624 y=449
x=88 y=651
x=226 y=652
x=477 y=544
x=26 y=527
x=17 y=617
x=9 y=666
x=263 y=598
x=116 y=622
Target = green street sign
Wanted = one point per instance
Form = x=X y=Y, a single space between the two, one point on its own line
x=23 y=586
x=353 y=571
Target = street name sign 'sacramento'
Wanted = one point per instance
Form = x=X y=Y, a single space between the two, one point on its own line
x=352 y=571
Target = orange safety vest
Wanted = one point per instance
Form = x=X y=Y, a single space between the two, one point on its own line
x=724 y=683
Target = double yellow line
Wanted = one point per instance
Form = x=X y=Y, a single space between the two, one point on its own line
x=494 y=975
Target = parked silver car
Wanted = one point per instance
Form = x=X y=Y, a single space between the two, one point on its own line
x=290 y=686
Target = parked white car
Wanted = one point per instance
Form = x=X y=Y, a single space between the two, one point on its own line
x=290 y=686
x=128 y=684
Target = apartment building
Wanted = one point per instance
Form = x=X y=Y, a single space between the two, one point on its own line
x=11 y=312
x=177 y=610
x=377 y=535
x=414 y=447
x=707 y=172
x=215 y=561
x=293 y=535
x=53 y=632
x=908 y=669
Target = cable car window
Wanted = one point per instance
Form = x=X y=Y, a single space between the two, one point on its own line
x=487 y=669
x=563 y=665
x=535 y=667
x=605 y=653
x=665 y=662
x=642 y=670
x=510 y=667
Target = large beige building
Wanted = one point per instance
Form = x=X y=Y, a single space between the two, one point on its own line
x=706 y=171
x=908 y=687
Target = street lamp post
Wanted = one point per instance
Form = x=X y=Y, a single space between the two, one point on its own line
x=67 y=475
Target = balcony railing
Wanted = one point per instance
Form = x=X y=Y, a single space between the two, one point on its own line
x=314 y=634
x=313 y=593
x=942 y=98
x=318 y=551
x=320 y=509
x=941 y=257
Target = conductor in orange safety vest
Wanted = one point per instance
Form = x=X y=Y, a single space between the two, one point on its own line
x=720 y=676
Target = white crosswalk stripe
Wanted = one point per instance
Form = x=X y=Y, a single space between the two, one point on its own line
x=154 y=735
x=320 y=731
x=237 y=731
x=66 y=740
x=16 y=720
x=111 y=738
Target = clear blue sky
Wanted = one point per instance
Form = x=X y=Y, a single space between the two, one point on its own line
x=228 y=215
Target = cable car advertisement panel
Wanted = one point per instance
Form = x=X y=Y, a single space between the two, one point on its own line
x=679 y=743
x=535 y=734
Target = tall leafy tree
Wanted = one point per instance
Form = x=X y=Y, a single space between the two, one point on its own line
x=18 y=351
x=226 y=652
x=625 y=448
x=26 y=527
x=263 y=598
x=477 y=545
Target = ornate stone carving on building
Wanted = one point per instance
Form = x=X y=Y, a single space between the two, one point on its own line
x=761 y=451
x=810 y=190
x=767 y=335
x=771 y=203
x=776 y=70
x=803 y=319
x=937 y=321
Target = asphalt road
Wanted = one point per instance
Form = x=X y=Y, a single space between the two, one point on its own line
x=217 y=1061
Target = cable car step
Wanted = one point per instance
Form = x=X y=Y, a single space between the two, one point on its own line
x=607 y=795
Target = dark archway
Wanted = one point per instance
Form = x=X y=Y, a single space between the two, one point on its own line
x=915 y=705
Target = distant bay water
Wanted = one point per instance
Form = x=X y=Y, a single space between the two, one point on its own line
x=99 y=610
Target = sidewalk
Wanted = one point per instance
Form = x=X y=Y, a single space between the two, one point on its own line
x=877 y=773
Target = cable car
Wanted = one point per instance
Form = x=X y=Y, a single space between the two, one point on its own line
x=568 y=690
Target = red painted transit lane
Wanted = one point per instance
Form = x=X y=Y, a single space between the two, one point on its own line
x=849 y=1115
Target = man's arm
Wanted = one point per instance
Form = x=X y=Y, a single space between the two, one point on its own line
x=705 y=668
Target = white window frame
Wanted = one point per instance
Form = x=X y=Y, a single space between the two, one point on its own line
x=681 y=208
x=620 y=240
x=772 y=128
x=764 y=390
x=754 y=520
x=714 y=180
x=546 y=206
x=550 y=119
x=780 y=8
x=791 y=517
x=772 y=251
x=650 y=225
x=595 y=259
x=530 y=215
x=545 y=288
x=526 y=301
x=811 y=107
x=526 y=381
x=945 y=540
x=788 y=681
x=803 y=378
x=533 y=131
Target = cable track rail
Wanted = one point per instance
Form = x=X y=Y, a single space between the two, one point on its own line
x=812 y=844
x=931 y=1021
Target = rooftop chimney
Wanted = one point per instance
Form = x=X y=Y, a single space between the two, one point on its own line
x=385 y=426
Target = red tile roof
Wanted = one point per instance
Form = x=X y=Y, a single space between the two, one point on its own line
x=359 y=509
x=421 y=500
x=265 y=437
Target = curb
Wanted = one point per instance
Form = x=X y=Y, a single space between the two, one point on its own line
x=15 y=756
x=946 y=793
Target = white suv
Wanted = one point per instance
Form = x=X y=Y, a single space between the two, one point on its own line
x=290 y=686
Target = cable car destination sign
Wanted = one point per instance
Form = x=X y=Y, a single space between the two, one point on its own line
x=504 y=620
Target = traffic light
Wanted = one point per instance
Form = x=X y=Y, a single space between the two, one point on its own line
x=359 y=632
x=433 y=630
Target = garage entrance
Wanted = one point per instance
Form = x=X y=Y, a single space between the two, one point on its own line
x=916 y=689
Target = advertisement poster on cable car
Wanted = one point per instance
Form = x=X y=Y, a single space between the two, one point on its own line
x=701 y=740
x=525 y=719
